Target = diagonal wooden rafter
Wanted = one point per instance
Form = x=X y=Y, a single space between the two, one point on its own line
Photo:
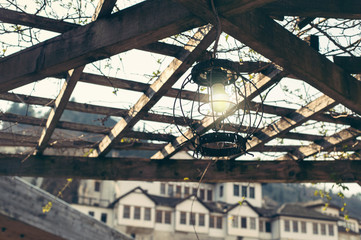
x=290 y=121
x=322 y=145
x=198 y=43
x=103 y=9
x=59 y=26
x=96 y=41
x=267 y=37
x=262 y=82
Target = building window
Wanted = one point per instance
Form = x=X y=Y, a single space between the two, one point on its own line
x=251 y=192
x=303 y=227
x=209 y=195
x=287 y=225
x=295 y=226
x=252 y=223
x=194 y=191
x=268 y=226
x=136 y=213
x=330 y=230
x=201 y=219
x=219 y=222
x=243 y=222
x=201 y=194
x=261 y=226
x=91 y=213
x=103 y=217
x=323 y=229
x=167 y=217
x=158 y=216
x=97 y=186
x=235 y=190
x=244 y=191
x=147 y=214
x=170 y=190
x=162 y=188
x=211 y=221
x=215 y=222
x=186 y=191
x=178 y=190
x=126 y=211
x=183 y=218
x=221 y=191
x=192 y=219
x=235 y=221
x=315 y=228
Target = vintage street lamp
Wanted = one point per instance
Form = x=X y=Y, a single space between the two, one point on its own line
x=221 y=97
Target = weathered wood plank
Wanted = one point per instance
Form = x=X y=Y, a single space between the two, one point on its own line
x=104 y=8
x=19 y=119
x=322 y=145
x=68 y=50
x=20 y=18
x=177 y=170
x=58 y=109
x=22 y=204
x=316 y=8
x=14 y=17
x=290 y=121
x=270 y=39
x=350 y=64
x=198 y=43
x=262 y=82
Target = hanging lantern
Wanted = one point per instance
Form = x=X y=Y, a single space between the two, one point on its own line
x=221 y=97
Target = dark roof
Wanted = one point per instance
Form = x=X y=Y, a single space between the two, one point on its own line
x=297 y=210
x=267 y=212
x=165 y=201
x=320 y=203
x=111 y=205
x=220 y=207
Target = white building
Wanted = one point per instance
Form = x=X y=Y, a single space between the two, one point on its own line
x=229 y=211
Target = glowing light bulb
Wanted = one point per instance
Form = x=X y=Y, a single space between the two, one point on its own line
x=220 y=100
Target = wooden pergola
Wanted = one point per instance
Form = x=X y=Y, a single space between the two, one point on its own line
x=143 y=26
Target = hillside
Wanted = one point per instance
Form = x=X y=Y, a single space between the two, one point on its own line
x=293 y=192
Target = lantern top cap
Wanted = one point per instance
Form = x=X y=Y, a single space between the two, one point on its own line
x=209 y=72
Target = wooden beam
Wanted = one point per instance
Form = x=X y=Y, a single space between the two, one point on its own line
x=289 y=122
x=21 y=211
x=14 y=17
x=19 y=119
x=196 y=45
x=322 y=145
x=270 y=39
x=68 y=50
x=104 y=8
x=58 y=109
x=272 y=75
x=89 y=108
x=177 y=170
x=316 y=8
x=350 y=64
x=20 y=18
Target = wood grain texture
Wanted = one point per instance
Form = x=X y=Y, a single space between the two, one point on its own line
x=95 y=41
x=262 y=81
x=324 y=144
x=22 y=203
x=348 y=9
x=270 y=39
x=177 y=170
x=195 y=46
